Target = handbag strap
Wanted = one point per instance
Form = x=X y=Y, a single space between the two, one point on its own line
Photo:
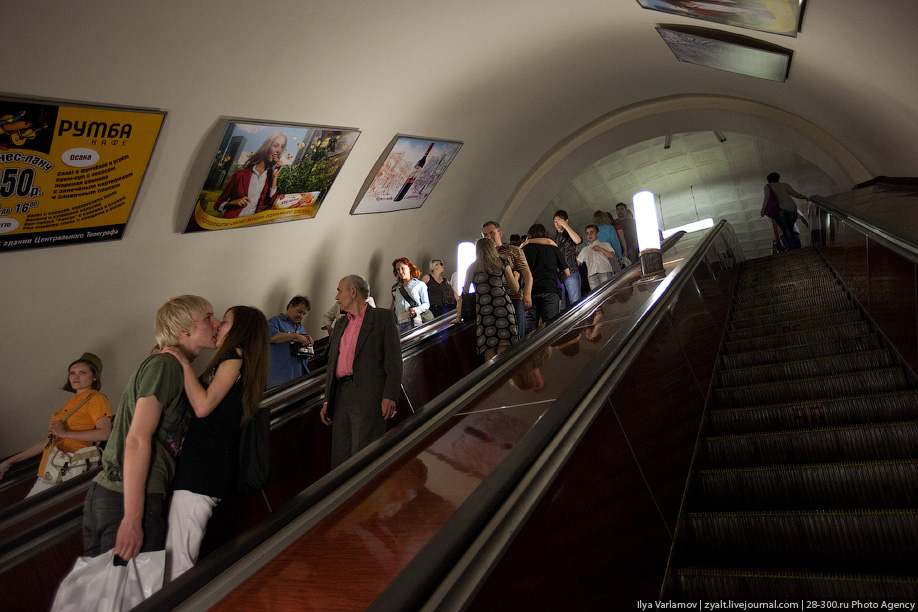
x=69 y=414
x=407 y=295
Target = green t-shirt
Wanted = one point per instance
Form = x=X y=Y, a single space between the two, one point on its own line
x=159 y=376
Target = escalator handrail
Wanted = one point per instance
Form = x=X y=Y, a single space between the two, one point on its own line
x=286 y=404
x=581 y=400
x=897 y=244
x=317 y=501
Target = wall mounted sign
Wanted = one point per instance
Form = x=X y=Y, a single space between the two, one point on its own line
x=774 y=16
x=727 y=51
x=405 y=174
x=269 y=173
x=70 y=174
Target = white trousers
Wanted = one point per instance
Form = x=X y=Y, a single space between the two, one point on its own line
x=188 y=516
x=40 y=487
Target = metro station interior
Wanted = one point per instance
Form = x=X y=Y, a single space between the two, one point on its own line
x=581 y=469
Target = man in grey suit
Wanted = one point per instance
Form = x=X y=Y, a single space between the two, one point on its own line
x=364 y=374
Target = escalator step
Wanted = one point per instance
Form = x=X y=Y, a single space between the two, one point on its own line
x=794 y=326
x=902 y=405
x=784 y=297
x=808 y=336
x=801 y=351
x=806 y=368
x=772 y=314
x=706 y=584
x=863 y=484
x=790 y=290
x=796 y=390
x=870 y=442
x=824 y=540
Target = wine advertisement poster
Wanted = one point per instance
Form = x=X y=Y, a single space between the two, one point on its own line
x=70 y=174
x=773 y=16
x=406 y=174
x=269 y=173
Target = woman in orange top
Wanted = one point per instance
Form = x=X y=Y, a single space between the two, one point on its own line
x=89 y=424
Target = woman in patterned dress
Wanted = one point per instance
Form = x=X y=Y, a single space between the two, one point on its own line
x=495 y=317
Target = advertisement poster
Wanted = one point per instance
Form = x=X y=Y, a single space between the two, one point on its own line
x=269 y=173
x=773 y=16
x=406 y=174
x=70 y=174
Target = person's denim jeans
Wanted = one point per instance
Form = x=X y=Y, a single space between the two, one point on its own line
x=545 y=306
x=103 y=511
x=520 y=317
x=572 y=290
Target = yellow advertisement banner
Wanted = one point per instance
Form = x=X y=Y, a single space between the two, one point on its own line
x=70 y=174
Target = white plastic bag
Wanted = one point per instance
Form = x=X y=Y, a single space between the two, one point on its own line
x=96 y=583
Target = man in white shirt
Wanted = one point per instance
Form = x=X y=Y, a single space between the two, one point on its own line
x=600 y=259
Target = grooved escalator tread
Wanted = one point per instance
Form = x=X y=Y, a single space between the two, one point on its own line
x=831 y=540
x=880 y=484
x=717 y=584
x=869 y=441
x=846 y=410
x=825 y=365
x=793 y=326
x=797 y=337
x=812 y=388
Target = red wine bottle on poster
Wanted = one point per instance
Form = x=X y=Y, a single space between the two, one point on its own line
x=411 y=177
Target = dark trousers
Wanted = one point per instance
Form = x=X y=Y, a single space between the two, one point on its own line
x=353 y=427
x=786 y=220
x=545 y=306
x=103 y=511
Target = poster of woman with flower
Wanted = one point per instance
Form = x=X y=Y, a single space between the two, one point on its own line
x=268 y=173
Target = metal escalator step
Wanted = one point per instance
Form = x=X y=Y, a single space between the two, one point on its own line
x=807 y=336
x=815 y=388
x=850 y=485
x=803 y=368
x=867 y=442
x=790 y=289
x=795 y=326
x=712 y=584
x=788 y=298
x=898 y=406
x=849 y=541
x=776 y=313
x=801 y=351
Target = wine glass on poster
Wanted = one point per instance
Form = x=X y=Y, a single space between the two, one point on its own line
x=405 y=174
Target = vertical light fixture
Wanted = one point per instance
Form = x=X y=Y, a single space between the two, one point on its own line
x=465 y=255
x=648 y=232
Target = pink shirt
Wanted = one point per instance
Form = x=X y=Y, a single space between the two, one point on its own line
x=348 y=346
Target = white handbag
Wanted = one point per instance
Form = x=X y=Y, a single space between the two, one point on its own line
x=96 y=583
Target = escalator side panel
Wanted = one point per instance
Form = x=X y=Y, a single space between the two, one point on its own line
x=606 y=522
x=894 y=299
x=566 y=549
x=31 y=586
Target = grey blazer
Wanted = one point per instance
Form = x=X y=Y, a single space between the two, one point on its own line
x=377 y=361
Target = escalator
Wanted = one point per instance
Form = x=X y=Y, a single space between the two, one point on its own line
x=804 y=484
x=41 y=536
x=386 y=526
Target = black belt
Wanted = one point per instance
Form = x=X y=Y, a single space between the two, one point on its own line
x=347 y=378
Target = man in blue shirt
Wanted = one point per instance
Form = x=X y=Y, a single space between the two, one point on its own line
x=286 y=335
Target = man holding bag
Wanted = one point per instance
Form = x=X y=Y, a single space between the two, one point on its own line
x=124 y=505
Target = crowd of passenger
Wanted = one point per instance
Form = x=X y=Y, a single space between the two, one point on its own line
x=170 y=453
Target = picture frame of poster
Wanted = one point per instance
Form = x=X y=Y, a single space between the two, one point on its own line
x=265 y=172
x=70 y=172
x=727 y=51
x=781 y=17
x=405 y=174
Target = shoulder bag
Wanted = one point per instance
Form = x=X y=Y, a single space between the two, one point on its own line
x=62 y=466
